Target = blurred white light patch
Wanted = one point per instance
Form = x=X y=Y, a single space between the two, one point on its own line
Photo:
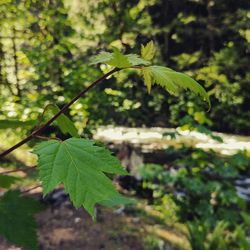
x=150 y=139
x=228 y=147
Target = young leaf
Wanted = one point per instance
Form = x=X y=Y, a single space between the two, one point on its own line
x=161 y=77
x=17 y=223
x=186 y=82
x=135 y=60
x=103 y=57
x=119 y=60
x=64 y=123
x=148 y=51
x=147 y=77
x=80 y=166
x=6 y=180
x=173 y=81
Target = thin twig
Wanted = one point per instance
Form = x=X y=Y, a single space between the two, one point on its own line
x=61 y=111
x=40 y=118
x=18 y=170
x=30 y=189
x=47 y=138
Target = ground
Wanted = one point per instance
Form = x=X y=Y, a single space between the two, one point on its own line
x=62 y=227
x=65 y=228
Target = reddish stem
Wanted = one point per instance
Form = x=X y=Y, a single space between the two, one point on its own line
x=61 y=111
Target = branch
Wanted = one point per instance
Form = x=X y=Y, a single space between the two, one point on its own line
x=40 y=118
x=39 y=130
x=18 y=170
x=30 y=189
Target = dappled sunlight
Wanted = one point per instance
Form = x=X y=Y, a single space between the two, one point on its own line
x=23 y=154
x=170 y=236
x=62 y=234
x=153 y=139
x=108 y=119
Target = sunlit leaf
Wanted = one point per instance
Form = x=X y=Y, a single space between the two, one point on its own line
x=119 y=60
x=147 y=77
x=148 y=51
x=173 y=81
x=186 y=82
x=134 y=60
x=161 y=77
x=101 y=58
x=80 y=166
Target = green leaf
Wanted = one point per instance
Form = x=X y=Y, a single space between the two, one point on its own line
x=6 y=180
x=119 y=60
x=148 y=51
x=186 y=82
x=64 y=123
x=172 y=81
x=161 y=77
x=101 y=58
x=147 y=77
x=135 y=60
x=5 y=124
x=80 y=166
x=17 y=223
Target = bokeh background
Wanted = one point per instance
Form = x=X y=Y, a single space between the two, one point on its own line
x=191 y=182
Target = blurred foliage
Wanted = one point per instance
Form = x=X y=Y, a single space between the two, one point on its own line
x=44 y=58
x=200 y=191
x=152 y=243
x=45 y=46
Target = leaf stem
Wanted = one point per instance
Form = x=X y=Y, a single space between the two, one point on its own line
x=61 y=111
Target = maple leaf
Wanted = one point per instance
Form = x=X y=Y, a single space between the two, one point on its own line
x=81 y=167
x=116 y=59
x=148 y=51
x=172 y=81
x=102 y=57
x=184 y=81
x=17 y=223
x=167 y=78
x=135 y=60
x=147 y=77
x=161 y=77
x=119 y=60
